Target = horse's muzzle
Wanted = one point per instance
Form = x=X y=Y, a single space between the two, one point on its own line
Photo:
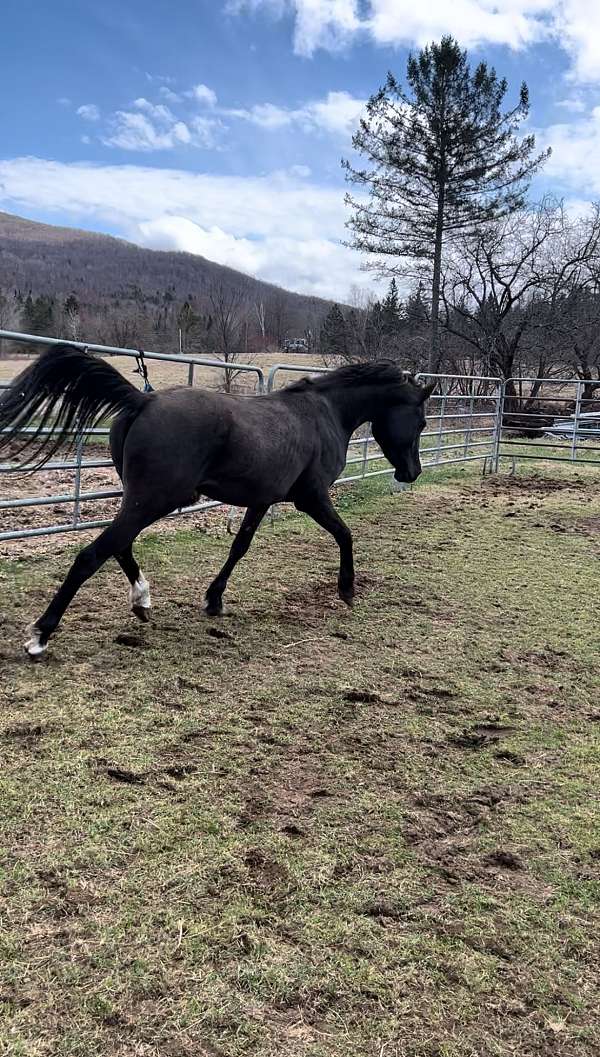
x=407 y=476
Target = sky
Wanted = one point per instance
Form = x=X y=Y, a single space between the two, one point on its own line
x=217 y=126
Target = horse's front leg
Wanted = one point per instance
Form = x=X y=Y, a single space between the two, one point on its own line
x=251 y=521
x=319 y=507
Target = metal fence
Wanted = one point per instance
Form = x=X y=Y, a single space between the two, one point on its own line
x=471 y=419
x=549 y=419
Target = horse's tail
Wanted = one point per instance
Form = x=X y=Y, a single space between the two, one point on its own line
x=66 y=389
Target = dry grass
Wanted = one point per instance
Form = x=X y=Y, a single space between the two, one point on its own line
x=166 y=373
x=306 y=832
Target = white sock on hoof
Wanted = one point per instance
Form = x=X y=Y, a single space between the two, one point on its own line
x=139 y=593
x=33 y=645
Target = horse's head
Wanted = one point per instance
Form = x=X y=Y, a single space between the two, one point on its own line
x=397 y=430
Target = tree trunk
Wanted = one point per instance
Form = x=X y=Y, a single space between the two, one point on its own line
x=434 y=335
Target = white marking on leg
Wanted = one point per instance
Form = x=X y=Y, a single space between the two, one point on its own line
x=139 y=593
x=33 y=645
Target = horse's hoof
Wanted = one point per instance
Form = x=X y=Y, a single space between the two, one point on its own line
x=139 y=599
x=347 y=597
x=34 y=648
x=214 y=610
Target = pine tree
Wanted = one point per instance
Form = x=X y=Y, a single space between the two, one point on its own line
x=334 y=339
x=391 y=313
x=443 y=161
x=38 y=315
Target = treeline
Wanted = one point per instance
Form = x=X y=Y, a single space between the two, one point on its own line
x=519 y=298
x=85 y=286
x=225 y=320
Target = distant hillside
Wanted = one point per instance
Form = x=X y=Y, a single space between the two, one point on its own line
x=57 y=260
x=109 y=275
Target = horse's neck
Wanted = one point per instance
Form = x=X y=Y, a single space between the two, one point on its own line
x=355 y=406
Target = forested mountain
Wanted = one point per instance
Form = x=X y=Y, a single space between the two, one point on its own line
x=57 y=280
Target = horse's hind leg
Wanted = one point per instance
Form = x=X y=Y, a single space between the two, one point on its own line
x=139 y=591
x=114 y=540
x=243 y=539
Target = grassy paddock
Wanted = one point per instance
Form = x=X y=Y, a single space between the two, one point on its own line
x=305 y=832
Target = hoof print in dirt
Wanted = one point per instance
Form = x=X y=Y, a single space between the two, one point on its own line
x=218 y=633
x=125 y=638
x=365 y=697
x=506 y=860
x=291 y=830
x=480 y=736
x=120 y=774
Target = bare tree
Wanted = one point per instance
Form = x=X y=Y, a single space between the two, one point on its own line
x=228 y=311
x=277 y=316
x=261 y=317
x=10 y=315
x=502 y=288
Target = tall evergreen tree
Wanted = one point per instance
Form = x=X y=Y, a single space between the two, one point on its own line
x=334 y=339
x=391 y=312
x=444 y=159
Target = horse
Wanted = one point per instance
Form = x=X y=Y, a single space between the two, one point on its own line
x=172 y=446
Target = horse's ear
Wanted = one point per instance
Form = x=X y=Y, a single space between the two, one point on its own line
x=427 y=390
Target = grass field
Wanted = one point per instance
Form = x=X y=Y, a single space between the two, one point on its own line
x=166 y=373
x=304 y=831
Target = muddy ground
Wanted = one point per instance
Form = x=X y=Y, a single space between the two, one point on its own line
x=303 y=831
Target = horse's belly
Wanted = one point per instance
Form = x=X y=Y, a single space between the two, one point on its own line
x=244 y=493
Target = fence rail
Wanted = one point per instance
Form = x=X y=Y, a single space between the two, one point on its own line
x=469 y=421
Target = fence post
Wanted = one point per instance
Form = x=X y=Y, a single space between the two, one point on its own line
x=366 y=449
x=497 y=438
x=470 y=422
x=77 y=489
x=438 y=454
x=576 y=422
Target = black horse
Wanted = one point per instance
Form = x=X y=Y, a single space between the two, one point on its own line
x=170 y=447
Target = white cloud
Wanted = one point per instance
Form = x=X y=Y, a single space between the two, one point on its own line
x=203 y=94
x=572 y=103
x=266 y=115
x=573 y=25
x=319 y=23
x=316 y=266
x=149 y=126
x=152 y=127
x=515 y=23
x=575 y=158
x=134 y=131
x=234 y=220
x=157 y=111
x=577 y=25
x=169 y=94
x=89 y=112
x=337 y=114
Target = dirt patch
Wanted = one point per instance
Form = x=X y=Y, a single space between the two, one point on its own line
x=534 y=484
x=286 y=823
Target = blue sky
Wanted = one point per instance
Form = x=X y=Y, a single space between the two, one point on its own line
x=218 y=127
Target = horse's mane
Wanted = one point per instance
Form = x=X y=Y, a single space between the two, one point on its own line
x=380 y=372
